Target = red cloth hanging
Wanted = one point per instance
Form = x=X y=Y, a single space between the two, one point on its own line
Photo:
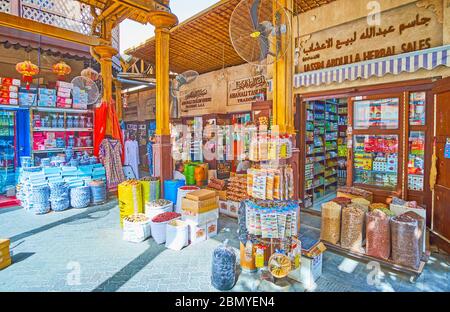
x=101 y=114
x=99 y=126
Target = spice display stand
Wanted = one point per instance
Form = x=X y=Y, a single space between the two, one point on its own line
x=389 y=264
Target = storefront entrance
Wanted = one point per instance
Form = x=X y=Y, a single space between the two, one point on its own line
x=441 y=193
x=376 y=138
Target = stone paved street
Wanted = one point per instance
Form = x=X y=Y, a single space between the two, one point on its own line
x=82 y=250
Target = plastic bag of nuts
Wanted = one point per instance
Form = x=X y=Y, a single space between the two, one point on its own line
x=378 y=235
x=352 y=228
x=405 y=241
x=331 y=222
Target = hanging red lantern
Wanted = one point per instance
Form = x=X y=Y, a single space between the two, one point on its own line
x=27 y=70
x=62 y=69
x=90 y=73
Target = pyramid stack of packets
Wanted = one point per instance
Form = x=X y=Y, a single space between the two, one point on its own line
x=5 y=257
x=200 y=209
x=236 y=193
x=64 y=90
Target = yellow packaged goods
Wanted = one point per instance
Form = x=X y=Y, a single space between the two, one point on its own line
x=201 y=195
x=199 y=206
x=4 y=243
x=5 y=262
x=130 y=199
x=331 y=222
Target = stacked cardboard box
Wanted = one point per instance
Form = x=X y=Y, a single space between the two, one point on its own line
x=200 y=209
x=80 y=98
x=5 y=257
x=47 y=97
x=9 y=91
x=27 y=97
x=63 y=95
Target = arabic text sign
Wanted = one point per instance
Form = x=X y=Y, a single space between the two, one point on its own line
x=246 y=91
x=402 y=30
x=197 y=98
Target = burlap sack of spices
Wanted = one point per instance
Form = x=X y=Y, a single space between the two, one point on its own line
x=378 y=206
x=421 y=231
x=352 y=228
x=405 y=241
x=378 y=235
x=331 y=222
x=362 y=202
x=343 y=201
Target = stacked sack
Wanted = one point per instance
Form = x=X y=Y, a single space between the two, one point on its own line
x=41 y=199
x=59 y=196
x=98 y=192
x=80 y=196
x=130 y=199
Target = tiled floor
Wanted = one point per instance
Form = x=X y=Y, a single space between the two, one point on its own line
x=82 y=250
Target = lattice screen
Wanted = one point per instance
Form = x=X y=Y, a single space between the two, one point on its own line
x=66 y=14
x=5 y=6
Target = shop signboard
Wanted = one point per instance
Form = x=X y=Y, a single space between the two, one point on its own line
x=406 y=29
x=247 y=91
x=194 y=99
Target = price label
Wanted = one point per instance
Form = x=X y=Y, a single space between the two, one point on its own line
x=447 y=149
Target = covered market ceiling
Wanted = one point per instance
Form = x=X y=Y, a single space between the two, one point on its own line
x=202 y=43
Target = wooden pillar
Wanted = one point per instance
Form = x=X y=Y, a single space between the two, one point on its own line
x=283 y=71
x=162 y=149
x=104 y=55
x=119 y=107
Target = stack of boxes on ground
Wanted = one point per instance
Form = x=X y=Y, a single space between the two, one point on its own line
x=200 y=209
x=63 y=92
x=9 y=91
x=5 y=257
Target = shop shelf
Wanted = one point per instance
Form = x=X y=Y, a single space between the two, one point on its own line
x=45 y=129
x=61 y=110
x=55 y=150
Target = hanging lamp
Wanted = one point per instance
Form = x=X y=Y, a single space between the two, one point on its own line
x=62 y=69
x=27 y=70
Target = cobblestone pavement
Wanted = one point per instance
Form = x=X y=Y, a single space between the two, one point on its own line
x=82 y=250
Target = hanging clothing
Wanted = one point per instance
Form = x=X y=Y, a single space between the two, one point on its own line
x=150 y=157
x=132 y=156
x=111 y=157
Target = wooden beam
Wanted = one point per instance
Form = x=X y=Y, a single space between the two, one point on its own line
x=28 y=25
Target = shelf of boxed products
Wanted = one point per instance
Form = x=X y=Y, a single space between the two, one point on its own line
x=55 y=150
x=61 y=110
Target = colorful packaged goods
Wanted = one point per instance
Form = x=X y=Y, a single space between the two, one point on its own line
x=46 y=97
x=64 y=91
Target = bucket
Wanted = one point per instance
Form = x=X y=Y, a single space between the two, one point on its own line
x=171 y=188
x=177 y=234
x=182 y=192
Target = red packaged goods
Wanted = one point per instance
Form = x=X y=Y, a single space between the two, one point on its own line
x=378 y=235
x=9 y=88
x=166 y=216
x=343 y=201
x=10 y=82
x=4 y=100
x=405 y=241
x=352 y=226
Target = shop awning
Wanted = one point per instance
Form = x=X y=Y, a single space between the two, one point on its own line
x=408 y=62
x=202 y=43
